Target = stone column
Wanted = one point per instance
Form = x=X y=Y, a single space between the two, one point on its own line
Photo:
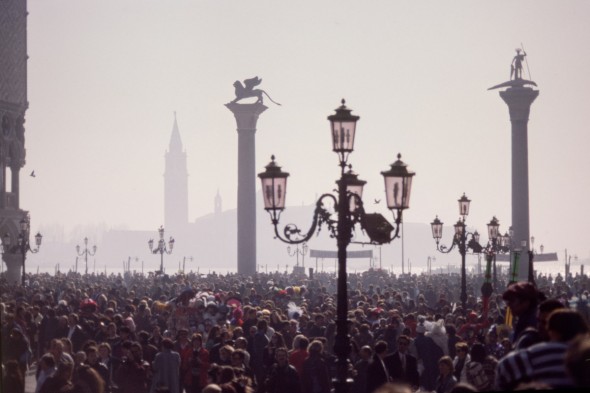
x=519 y=100
x=14 y=268
x=246 y=118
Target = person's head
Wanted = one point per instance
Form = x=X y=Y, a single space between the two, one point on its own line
x=72 y=320
x=316 y=348
x=225 y=352
x=47 y=361
x=403 y=343
x=67 y=344
x=520 y=297
x=564 y=325
x=303 y=343
x=91 y=355
x=88 y=380
x=56 y=348
x=366 y=352
x=197 y=340
x=226 y=374
x=136 y=351
x=461 y=348
x=262 y=325
x=241 y=343
x=238 y=357
x=282 y=356
x=478 y=353
x=104 y=350
x=577 y=363
x=79 y=358
x=167 y=344
x=545 y=309
x=445 y=366
x=380 y=348
x=394 y=388
x=182 y=335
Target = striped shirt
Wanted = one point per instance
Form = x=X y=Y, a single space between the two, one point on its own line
x=543 y=362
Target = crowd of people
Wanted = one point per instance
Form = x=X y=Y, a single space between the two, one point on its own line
x=275 y=333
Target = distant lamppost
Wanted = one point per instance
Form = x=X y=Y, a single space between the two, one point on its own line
x=23 y=244
x=340 y=213
x=462 y=239
x=541 y=248
x=298 y=252
x=85 y=253
x=161 y=248
x=497 y=244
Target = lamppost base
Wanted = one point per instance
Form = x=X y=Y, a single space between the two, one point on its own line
x=14 y=268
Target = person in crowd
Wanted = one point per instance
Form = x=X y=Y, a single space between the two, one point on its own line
x=47 y=368
x=87 y=380
x=446 y=380
x=76 y=334
x=166 y=368
x=576 y=361
x=276 y=341
x=298 y=356
x=521 y=298
x=360 y=368
x=427 y=352
x=282 y=377
x=61 y=380
x=184 y=348
x=260 y=341
x=533 y=335
x=13 y=379
x=543 y=363
x=377 y=372
x=315 y=376
x=461 y=361
x=403 y=367
x=199 y=364
x=133 y=374
x=238 y=361
x=480 y=370
x=92 y=360
x=452 y=340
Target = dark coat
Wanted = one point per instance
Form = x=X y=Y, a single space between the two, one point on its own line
x=398 y=374
x=316 y=375
x=283 y=380
x=377 y=374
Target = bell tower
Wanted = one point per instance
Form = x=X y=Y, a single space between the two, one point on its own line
x=13 y=105
x=175 y=184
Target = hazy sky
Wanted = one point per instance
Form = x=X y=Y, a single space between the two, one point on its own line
x=106 y=76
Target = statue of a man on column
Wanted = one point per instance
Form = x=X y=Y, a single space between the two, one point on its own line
x=516 y=66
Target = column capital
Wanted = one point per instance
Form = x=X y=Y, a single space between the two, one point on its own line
x=246 y=114
x=519 y=100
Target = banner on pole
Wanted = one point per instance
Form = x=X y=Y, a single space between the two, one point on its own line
x=334 y=254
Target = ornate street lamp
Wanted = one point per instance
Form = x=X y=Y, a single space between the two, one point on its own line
x=161 y=248
x=298 y=252
x=460 y=240
x=85 y=253
x=497 y=244
x=23 y=244
x=340 y=213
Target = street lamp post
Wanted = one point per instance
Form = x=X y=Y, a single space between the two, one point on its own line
x=340 y=213
x=462 y=239
x=85 y=254
x=23 y=244
x=298 y=252
x=161 y=248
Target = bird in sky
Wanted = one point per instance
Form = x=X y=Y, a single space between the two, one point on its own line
x=377 y=201
x=33 y=174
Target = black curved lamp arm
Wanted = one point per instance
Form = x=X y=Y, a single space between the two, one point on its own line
x=445 y=249
x=292 y=234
